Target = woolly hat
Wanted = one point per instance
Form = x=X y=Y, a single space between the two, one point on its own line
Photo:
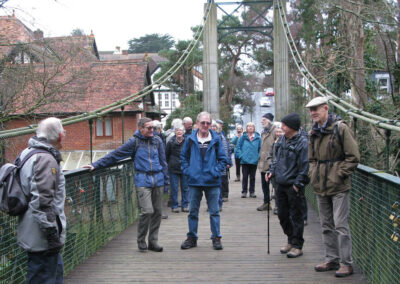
x=219 y=121
x=269 y=116
x=292 y=120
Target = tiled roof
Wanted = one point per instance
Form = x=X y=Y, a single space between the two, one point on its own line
x=12 y=31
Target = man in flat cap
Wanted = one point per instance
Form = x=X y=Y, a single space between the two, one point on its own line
x=333 y=154
x=290 y=169
x=267 y=137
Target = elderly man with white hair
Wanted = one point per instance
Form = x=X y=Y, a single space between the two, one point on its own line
x=41 y=229
x=188 y=124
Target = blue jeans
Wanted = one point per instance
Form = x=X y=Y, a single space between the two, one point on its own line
x=174 y=182
x=212 y=195
x=45 y=269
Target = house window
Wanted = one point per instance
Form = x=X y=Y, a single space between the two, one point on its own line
x=383 y=84
x=166 y=96
x=166 y=103
x=103 y=127
x=160 y=100
x=173 y=103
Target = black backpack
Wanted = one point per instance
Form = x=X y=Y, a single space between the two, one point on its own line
x=13 y=200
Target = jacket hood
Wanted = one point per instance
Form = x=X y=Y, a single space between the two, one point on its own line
x=42 y=143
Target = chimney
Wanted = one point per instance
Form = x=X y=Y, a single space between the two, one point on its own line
x=117 y=50
x=38 y=34
x=124 y=52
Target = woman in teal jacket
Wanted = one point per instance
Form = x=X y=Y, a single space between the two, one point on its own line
x=248 y=151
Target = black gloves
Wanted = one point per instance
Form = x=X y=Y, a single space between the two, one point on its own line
x=53 y=240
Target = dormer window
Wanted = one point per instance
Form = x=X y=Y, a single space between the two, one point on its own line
x=22 y=58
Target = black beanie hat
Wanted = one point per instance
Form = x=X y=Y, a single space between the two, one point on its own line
x=292 y=120
x=269 y=116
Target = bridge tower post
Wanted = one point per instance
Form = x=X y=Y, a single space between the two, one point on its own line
x=210 y=64
x=281 y=66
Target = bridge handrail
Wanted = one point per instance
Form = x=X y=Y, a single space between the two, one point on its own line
x=99 y=205
x=372 y=195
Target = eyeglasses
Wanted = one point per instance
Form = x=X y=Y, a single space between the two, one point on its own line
x=149 y=127
x=205 y=123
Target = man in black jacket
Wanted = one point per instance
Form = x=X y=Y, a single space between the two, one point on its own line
x=290 y=169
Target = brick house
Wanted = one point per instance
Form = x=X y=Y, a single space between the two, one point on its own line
x=77 y=81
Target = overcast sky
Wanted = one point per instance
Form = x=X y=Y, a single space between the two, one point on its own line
x=113 y=22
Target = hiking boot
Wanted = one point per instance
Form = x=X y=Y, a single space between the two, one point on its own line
x=244 y=195
x=276 y=211
x=326 y=266
x=264 y=207
x=286 y=248
x=190 y=242
x=225 y=199
x=142 y=246
x=217 y=245
x=253 y=195
x=185 y=209
x=155 y=247
x=237 y=179
x=164 y=216
x=175 y=210
x=344 y=270
x=294 y=252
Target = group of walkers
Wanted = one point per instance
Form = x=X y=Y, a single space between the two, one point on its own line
x=198 y=157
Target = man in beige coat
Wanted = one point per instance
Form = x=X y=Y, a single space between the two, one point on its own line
x=267 y=139
x=333 y=155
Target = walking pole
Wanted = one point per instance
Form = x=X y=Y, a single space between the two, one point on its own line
x=269 y=202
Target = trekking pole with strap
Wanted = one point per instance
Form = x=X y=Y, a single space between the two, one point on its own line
x=269 y=204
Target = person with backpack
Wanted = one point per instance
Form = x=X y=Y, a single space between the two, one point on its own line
x=151 y=174
x=41 y=229
x=290 y=169
x=333 y=154
x=203 y=160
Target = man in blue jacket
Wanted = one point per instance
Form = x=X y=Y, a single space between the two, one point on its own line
x=151 y=174
x=203 y=159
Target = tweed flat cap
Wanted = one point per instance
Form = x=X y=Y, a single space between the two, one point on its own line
x=317 y=101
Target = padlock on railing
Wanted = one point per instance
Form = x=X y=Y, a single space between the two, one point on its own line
x=396 y=205
x=392 y=216
x=395 y=237
x=396 y=221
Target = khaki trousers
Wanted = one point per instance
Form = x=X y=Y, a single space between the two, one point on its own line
x=334 y=214
x=150 y=203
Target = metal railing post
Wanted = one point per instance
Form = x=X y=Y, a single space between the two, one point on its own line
x=122 y=124
x=387 y=133
x=91 y=139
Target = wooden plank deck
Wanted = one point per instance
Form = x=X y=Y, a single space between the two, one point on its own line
x=244 y=258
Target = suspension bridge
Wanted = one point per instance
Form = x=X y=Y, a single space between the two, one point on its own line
x=101 y=210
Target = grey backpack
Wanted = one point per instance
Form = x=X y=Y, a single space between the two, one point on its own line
x=13 y=200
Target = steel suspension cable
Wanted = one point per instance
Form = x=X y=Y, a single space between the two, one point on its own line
x=379 y=121
x=111 y=107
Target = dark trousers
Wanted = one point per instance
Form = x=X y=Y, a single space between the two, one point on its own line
x=265 y=188
x=290 y=214
x=237 y=164
x=248 y=171
x=225 y=186
x=44 y=269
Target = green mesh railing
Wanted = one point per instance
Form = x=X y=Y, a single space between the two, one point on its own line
x=375 y=249
x=99 y=205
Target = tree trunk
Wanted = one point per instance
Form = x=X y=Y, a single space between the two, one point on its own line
x=354 y=33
